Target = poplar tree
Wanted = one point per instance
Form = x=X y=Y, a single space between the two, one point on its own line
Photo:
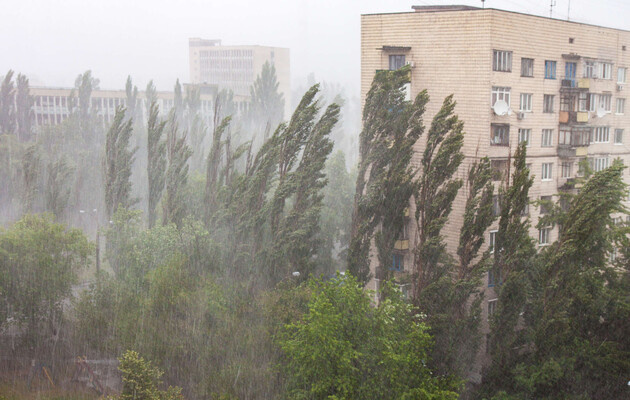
x=391 y=127
x=132 y=99
x=117 y=164
x=58 y=185
x=156 y=162
x=267 y=103
x=7 y=106
x=23 y=111
x=178 y=153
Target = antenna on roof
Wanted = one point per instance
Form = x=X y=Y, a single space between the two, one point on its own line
x=569 y=11
x=483 y=3
x=551 y=6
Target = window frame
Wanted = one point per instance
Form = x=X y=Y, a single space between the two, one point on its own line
x=528 y=134
x=546 y=171
x=620 y=101
x=544 y=233
x=605 y=102
x=548 y=103
x=492 y=240
x=396 y=58
x=605 y=70
x=550 y=69
x=623 y=75
x=618 y=140
x=566 y=168
x=501 y=60
x=546 y=134
x=500 y=93
x=528 y=97
x=601 y=134
x=527 y=65
x=504 y=134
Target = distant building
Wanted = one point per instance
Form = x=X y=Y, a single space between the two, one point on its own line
x=560 y=86
x=52 y=105
x=236 y=67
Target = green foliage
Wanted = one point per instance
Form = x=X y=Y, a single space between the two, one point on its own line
x=7 y=105
x=156 y=165
x=23 y=110
x=391 y=127
x=58 y=186
x=178 y=153
x=344 y=348
x=39 y=263
x=141 y=380
x=267 y=104
x=117 y=164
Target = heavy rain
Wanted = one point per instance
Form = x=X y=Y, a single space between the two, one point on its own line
x=314 y=200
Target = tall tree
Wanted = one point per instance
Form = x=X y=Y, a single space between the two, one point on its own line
x=24 y=105
x=150 y=94
x=132 y=99
x=58 y=186
x=514 y=254
x=85 y=84
x=267 y=103
x=31 y=165
x=117 y=164
x=178 y=153
x=7 y=104
x=178 y=102
x=391 y=127
x=156 y=150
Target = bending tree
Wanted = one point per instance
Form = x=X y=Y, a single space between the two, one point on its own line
x=156 y=165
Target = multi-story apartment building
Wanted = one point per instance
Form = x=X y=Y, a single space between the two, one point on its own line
x=236 y=67
x=560 y=86
x=51 y=106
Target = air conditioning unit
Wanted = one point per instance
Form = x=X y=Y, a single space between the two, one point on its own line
x=619 y=88
x=520 y=115
x=410 y=63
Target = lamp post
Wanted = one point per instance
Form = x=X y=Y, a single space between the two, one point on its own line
x=98 y=258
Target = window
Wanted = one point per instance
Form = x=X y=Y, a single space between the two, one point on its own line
x=526 y=102
x=492 y=241
x=527 y=67
x=550 y=69
x=546 y=174
x=492 y=305
x=502 y=61
x=605 y=70
x=592 y=101
x=524 y=135
x=525 y=211
x=398 y=263
x=566 y=169
x=499 y=169
x=618 y=136
x=494 y=277
x=583 y=101
x=599 y=163
x=500 y=93
x=621 y=105
x=547 y=138
x=496 y=206
x=396 y=61
x=545 y=204
x=621 y=75
x=604 y=102
x=500 y=135
x=548 y=103
x=601 y=135
x=543 y=236
x=590 y=69
x=564 y=136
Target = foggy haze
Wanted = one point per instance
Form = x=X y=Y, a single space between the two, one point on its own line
x=52 y=41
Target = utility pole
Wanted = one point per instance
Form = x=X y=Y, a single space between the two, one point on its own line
x=569 y=12
x=551 y=6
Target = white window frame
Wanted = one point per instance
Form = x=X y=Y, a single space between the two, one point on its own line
x=605 y=70
x=492 y=307
x=502 y=60
x=600 y=163
x=622 y=72
x=618 y=136
x=593 y=101
x=500 y=132
x=590 y=69
x=544 y=236
x=546 y=138
x=601 y=134
x=620 y=107
x=566 y=169
x=548 y=103
x=500 y=93
x=546 y=173
x=492 y=240
x=527 y=67
x=605 y=101
x=525 y=135
x=526 y=102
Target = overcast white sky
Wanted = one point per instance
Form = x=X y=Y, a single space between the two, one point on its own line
x=52 y=41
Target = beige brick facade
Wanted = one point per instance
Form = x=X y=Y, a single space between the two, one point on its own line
x=451 y=51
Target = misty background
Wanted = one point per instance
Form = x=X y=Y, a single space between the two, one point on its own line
x=50 y=41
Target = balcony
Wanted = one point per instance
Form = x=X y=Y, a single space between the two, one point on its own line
x=566 y=151
x=571 y=84
x=573 y=117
